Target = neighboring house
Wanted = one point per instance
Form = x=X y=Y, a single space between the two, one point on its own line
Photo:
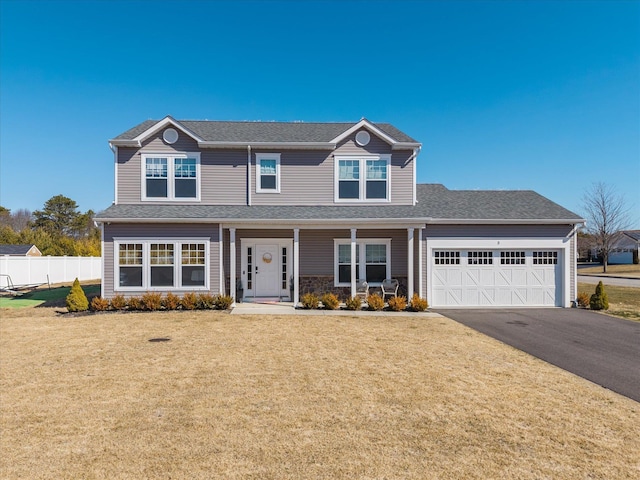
x=625 y=247
x=286 y=208
x=20 y=250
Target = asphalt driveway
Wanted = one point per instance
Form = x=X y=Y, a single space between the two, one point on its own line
x=602 y=349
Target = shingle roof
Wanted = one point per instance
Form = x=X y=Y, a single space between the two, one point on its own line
x=634 y=234
x=219 y=131
x=14 y=249
x=435 y=202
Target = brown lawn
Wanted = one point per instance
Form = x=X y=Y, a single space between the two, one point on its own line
x=630 y=270
x=294 y=397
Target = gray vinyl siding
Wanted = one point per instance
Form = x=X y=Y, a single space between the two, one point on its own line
x=223 y=172
x=317 y=247
x=513 y=231
x=306 y=176
x=159 y=231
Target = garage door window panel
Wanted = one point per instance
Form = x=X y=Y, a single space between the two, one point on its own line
x=512 y=258
x=480 y=258
x=545 y=258
x=442 y=257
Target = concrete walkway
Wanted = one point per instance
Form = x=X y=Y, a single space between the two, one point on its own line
x=286 y=308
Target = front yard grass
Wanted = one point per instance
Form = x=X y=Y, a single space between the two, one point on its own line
x=623 y=301
x=625 y=270
x=234 y=397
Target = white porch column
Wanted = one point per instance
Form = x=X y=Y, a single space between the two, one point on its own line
x=410 y=273
x=296 y=266
x=222 y=286
x=420 y=266
x=353 y=262
x=232 y=263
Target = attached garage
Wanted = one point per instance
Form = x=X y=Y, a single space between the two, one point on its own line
x=498 y=272
x=490 y=278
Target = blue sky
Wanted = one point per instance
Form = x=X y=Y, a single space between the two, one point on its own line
x=537 y=95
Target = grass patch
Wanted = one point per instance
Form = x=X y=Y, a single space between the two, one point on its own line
x=234 y=397
x=626 y=270
x=54 y=297
x=624 y=302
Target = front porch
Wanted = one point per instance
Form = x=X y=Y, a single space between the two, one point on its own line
x=281 y=264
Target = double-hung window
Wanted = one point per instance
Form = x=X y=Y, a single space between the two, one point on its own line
x=171 y=176
x=362 y=178
x=373 y=261
x=161 y=265
x=268 y=172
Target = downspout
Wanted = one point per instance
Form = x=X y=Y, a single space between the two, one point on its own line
x=249 y=175
x=114 y=149
x=414 y=157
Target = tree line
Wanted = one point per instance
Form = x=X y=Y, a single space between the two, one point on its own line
x=58 y=229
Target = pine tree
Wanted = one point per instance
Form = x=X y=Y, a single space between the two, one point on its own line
x=77 y=300
x=599 y=300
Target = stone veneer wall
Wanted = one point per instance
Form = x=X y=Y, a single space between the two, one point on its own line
x=323 y=284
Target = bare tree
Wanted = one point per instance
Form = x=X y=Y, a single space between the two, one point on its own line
x=606 y=215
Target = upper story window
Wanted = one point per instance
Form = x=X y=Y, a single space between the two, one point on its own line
x=362 y=178
x=171 y=177
x=268 y=172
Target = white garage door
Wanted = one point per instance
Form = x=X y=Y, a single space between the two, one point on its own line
x=469 y=278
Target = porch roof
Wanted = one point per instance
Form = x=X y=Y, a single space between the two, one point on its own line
x=436 y=204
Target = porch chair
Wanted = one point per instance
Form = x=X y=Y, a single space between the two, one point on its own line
x=389 y=286
x=362 y=290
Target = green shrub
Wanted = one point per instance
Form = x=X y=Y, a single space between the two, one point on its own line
x=397 y=304
x=353 y=303
x=171 y=301
x=599 y=300
x=99 y=304
x=151 y=301
x=418 y=304
x=330 y=301
x=118 y=302
x=223 y=302
x=582 y=299
x=206 y=301
x=77 y=300
x=134 y=303
x=309 y=300
x=375 y=302
x=189 y=301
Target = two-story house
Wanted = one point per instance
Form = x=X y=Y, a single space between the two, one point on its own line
x=286 y=208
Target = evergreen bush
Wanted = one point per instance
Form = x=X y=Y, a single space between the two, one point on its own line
x=189 y=301
x=353 y=303
x=599 y=300
x=309 y=300
x=118 y=302
x=223 y=302
x=330 y=301
x=206 y=301
x=397 y=304
x=375 y=302
x=418 y=304
x=151 y=301
x=99 y=304
x=77 y=300
x=134 y=303
x=171 y=301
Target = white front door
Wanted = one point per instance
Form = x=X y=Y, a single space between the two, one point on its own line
x=266 y=270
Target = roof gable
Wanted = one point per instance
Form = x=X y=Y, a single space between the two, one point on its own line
x=287 y=134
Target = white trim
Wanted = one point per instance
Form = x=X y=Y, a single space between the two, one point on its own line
x=278 y=145
x=420 y=263
x=168 y=120
x=502 y=243
x=254 y=242
x=267 y=156
x=232 y=264
x=362 y=258
x=171 y=179
x=364 y=123
x=249 y=175
x=146 y=263
x=362 y=159
x=102 y=257
x=222 y=287
x=410 y=254
x=296 y=266
x=115 y=173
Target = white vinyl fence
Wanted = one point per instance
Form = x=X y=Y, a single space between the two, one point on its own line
x=34 y=270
